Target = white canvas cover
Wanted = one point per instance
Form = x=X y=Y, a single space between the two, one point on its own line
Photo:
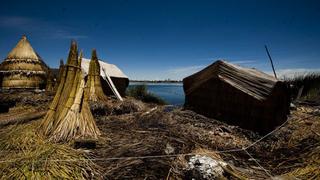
x=110 y=69
x=106 y=72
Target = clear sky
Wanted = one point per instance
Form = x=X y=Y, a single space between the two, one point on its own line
x=169 y=39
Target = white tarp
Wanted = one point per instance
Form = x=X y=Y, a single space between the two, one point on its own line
x=110 y=69
x=106 y=71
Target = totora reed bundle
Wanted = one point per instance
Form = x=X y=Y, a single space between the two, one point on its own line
x=61 y=69
x=94 y=88
x=69 y=115
x=49 y=85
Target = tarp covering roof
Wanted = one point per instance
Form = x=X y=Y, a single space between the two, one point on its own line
x=250 y=81
x=110 y=69
x=23 y=50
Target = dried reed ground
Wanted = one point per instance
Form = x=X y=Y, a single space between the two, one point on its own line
x=24 y=154
x=292 y=152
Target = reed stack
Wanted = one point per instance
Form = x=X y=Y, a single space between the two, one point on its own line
x=69 y=115
x=94 y=87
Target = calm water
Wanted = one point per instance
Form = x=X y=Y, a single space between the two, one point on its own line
x=172 y=93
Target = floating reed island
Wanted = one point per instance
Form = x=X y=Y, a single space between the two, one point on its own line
x=216 y=135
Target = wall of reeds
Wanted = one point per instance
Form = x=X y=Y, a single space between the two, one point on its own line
x=18 y=80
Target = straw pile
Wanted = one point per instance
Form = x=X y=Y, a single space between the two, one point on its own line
x=292 y=151
x=69 y=114
x=310 y=168
x=95 y=92
x=24 y=154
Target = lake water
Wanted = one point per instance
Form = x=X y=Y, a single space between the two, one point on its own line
x=172 y=93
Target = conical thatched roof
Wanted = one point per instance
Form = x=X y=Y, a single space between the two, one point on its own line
x=23 y=67
x=23 y=58
x=23 y=50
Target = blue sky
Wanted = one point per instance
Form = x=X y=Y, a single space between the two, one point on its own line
x=169 y=39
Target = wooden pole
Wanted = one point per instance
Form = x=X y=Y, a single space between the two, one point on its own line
x=274 y=72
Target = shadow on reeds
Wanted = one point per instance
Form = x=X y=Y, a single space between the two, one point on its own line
x=140 y=92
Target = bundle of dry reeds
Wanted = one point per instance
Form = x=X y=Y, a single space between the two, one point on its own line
x=69 y=115
x=49 y=84
x=61 y=68
x=94 y=88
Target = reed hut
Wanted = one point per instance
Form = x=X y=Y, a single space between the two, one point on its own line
x=240 y=96
x=113 y=80
x=23 y=68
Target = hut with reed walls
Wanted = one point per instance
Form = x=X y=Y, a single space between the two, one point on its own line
x=113 y=80
x=23 y=68
x=240 y=96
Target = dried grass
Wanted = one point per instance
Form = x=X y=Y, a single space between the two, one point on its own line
x=24 y=154
x=149 y=133
x=310 y=84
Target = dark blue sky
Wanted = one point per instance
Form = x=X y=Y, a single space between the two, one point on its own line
x=169 y=39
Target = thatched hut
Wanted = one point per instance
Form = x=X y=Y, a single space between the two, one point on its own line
x=110 y=75
x=23 y=68
x=241 y=96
